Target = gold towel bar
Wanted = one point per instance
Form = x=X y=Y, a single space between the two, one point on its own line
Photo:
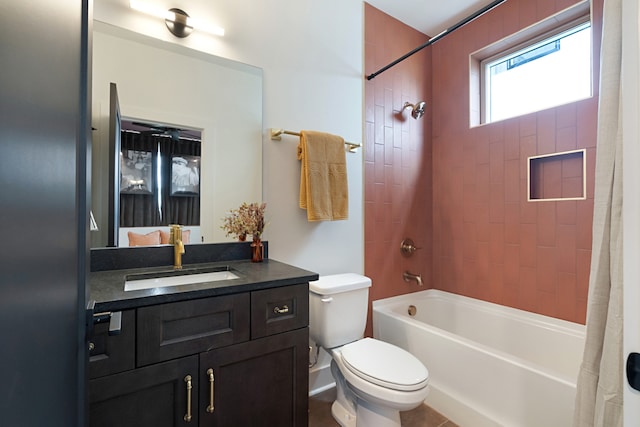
x=276 y=136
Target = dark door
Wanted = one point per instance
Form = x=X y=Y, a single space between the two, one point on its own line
x=44 y=134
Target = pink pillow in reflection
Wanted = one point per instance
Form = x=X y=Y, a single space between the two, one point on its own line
x=164 y=237
x=148 y=239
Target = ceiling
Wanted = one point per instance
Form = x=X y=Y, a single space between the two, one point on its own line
x=429 y=16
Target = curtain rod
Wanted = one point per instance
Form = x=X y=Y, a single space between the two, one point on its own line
x=437 y=37
x=159 y=135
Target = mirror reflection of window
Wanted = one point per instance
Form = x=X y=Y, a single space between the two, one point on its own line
x=160 y=175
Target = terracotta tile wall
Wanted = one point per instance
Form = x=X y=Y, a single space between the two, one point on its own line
x=489 y=241
x=460 y=192
x=397 y=157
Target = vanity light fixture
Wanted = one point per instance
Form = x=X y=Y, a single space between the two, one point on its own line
x=179 y=23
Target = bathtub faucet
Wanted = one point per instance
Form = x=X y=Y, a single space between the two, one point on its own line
x=409 y=277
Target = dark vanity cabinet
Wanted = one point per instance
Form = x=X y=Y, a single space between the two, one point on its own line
x=230 y=360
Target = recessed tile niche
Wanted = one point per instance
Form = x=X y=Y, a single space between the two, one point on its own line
x=557 y=176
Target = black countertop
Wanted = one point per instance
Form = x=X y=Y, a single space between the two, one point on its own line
x=106 y=287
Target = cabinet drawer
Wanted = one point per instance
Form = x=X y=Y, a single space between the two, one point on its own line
x=183 y=328
x=279 y=310
x=113 y=353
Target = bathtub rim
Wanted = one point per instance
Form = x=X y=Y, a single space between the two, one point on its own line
x=548 y=322
x=385 y=307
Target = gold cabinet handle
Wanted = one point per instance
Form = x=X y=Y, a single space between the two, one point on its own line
x=187 y=416
x=210 y=408
x=283 y=310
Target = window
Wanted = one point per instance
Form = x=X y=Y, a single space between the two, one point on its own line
x=552 y=70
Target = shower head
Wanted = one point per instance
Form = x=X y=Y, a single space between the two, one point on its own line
x=417 y=110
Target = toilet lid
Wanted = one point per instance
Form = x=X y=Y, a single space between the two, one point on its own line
x=385 y=364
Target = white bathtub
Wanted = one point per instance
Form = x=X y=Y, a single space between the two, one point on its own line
x=489 y=365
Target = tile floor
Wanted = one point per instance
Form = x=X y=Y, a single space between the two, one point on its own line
x=422 y=416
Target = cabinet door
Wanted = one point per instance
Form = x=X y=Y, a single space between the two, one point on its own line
x=263 y=382
x=153 y=396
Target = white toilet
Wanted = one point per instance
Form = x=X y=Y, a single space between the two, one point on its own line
x=375 y=380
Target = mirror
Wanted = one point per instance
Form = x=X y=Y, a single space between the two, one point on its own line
x=164 y=83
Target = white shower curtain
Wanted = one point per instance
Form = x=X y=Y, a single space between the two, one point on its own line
x=599 y=394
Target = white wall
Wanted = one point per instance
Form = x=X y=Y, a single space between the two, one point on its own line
x=311 y=53
x=631 y=207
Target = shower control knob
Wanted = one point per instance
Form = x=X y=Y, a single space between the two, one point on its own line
x=407 y=247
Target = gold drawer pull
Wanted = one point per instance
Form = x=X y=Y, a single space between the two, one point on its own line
x=210 y=408
x=187 y=380
x=283 y=310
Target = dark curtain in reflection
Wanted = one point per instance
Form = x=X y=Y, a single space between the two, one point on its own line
x=182 y=209
x=140 y=209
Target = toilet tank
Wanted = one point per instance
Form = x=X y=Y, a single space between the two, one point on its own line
x=338 y=307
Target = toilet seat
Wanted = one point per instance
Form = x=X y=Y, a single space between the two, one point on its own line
x=385 y=365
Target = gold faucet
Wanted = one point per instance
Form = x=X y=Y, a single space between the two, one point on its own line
x=175 y=239
x=408 y=277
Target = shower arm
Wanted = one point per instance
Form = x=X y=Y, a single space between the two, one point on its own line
x=437 y=37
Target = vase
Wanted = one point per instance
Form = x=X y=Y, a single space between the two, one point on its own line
x=257 y=251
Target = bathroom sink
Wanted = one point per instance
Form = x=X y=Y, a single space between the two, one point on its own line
x=187 y=276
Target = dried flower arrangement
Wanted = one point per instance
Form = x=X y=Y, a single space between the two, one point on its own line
x=247 y=219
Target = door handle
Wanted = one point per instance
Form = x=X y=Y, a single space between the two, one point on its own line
x=633 y=370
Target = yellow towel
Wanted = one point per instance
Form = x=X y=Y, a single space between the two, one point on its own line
x=323 y=176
